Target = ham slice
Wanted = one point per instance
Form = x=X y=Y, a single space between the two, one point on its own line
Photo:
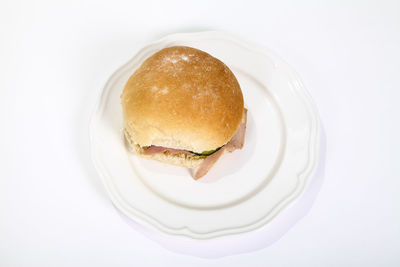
x=208 y=163
x=236 y=142
x=159 y=149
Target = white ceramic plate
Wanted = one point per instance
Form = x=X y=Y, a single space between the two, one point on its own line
x=244 y=190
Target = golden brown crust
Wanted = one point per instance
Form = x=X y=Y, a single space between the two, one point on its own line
x=182 y=98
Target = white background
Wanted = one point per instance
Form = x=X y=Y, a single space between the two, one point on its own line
x=56 y=56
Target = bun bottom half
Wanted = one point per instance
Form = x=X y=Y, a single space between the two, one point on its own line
x=178 y=159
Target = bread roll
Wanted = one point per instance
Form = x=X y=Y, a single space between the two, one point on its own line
x=181 y=98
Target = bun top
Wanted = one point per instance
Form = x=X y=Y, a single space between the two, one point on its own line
x=182 y=98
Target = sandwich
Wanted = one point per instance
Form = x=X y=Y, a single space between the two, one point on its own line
x=184 y=107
